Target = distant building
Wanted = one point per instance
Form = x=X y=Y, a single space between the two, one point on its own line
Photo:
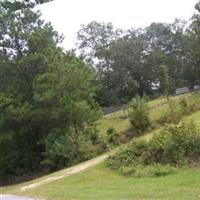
x=196 y=87
x=182 y=90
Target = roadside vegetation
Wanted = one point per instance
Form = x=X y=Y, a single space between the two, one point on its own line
x=157 y=110
x=51 y=114
x=160 y=181
x=173 y=146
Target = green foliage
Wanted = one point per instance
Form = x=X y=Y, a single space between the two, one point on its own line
x=112 y=137
x=140 y=171
x=153 y=60
x=57 y=150
x=186 y=109
x=178 y=144
x=164 y=79
x=176 y=110
x=47 y=108
x=139 y=116
x=173 y=113
x=64 y=149
x=132 y=154
x=174 y=145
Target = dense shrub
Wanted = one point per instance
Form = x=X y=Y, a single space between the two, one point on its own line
x=174 y=145
x=186 y=109
x=139 y=116
x=183 y=143
x=175 y=110
x=132 y=154
x=65 y=149
x=112 y=137
x=172 y=114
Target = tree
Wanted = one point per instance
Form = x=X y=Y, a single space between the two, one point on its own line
x=139 y=116
x=94 y=37
x=69 y=109
x=40 y=94
x=131 y=62
x=168 y=46
x=192 y=72
x=164 y=81
x=125 y=74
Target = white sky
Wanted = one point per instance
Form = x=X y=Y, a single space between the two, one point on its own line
x=68 y=15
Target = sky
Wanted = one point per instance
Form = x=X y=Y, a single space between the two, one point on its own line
x=67 y=16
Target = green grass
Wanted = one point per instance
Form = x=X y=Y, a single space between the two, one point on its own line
x=118 y=119
x=99 y=183
x=195 y=117
x=121 y=125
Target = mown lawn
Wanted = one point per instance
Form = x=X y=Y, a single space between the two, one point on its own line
x=99 y=183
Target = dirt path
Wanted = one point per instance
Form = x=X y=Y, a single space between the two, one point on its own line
x=67 y=172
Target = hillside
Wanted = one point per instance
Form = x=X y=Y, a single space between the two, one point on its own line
x=115 y=117
x=119 y=119
x=99 y=182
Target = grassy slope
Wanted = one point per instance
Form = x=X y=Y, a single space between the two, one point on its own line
x=100 y=183
x=157 y=107
x=119 y=121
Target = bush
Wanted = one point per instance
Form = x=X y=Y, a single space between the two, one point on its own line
x=155 y=170
x=174 y=145
x=65 y=149
x=177 y=144
x=173 y=113
x=159 y=170
x=139 y=116
x=184 y=106
x=132 y=154
x=181 y=143
x=112 y=137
